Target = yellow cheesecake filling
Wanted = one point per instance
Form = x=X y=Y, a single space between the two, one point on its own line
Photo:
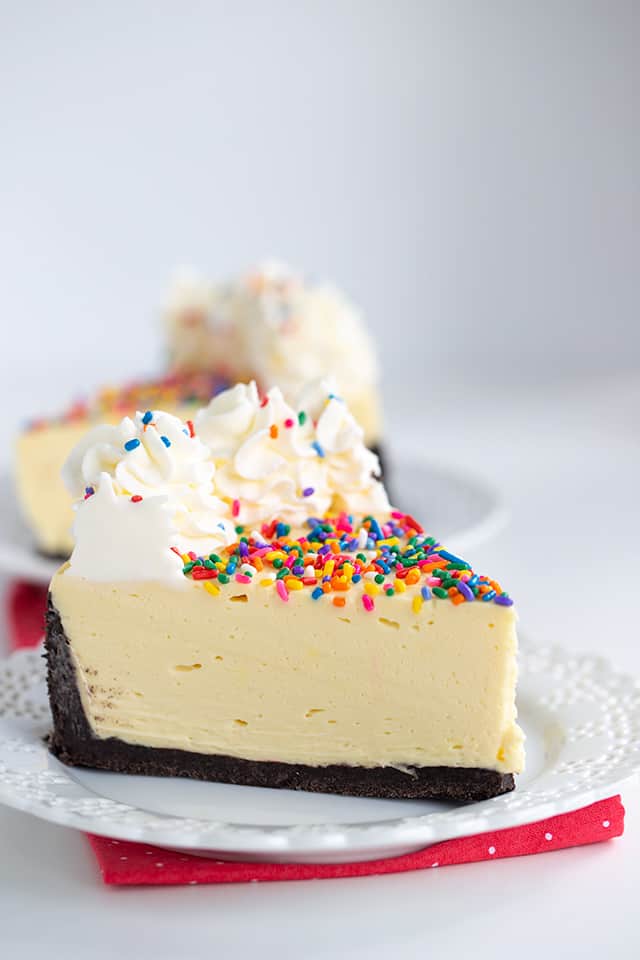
x=245 y=675
x=43 y=497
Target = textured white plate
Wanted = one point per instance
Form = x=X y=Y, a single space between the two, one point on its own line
x=461 y=509
x=582 y=721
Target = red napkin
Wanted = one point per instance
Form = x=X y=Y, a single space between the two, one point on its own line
x=26 y=607
x=122 y=862
x=125 y=863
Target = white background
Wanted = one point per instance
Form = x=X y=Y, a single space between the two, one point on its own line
x=469 y=173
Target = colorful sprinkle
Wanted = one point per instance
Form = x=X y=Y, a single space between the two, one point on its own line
x=308 y=491
x=136 y=498
x=235 y=508
x=283 y=593
x=132 y=444
x=193 y=389
x=504 y=601
x=465 y=590
x=166 y=441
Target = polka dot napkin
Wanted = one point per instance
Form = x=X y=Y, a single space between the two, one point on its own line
x=137 y=863
x=125 y=863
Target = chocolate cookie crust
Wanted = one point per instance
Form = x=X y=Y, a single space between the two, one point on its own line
x=73 y=742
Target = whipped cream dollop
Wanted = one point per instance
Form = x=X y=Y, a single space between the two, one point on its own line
x=292 y=462
x=152 y=483
x=202 y=330
x=273 y=325
x=150 y=453
x=295 y=332
x=154 y=459
x=117 y=539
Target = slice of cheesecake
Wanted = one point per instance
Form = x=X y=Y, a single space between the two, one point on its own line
x=243 y=605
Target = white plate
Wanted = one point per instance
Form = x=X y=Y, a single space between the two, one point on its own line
x=582 y=721
x=459 y=508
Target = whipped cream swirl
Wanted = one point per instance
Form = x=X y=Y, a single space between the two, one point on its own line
x=293 y=463
x=271 y=466
x=295 y=332
x=275 y=326
x=203 y=333
x=150 y=457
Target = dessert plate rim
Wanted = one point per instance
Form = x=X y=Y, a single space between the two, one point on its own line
x=459 y=538
x=589 y=714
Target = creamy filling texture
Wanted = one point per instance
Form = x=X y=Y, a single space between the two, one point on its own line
x=45 y=501
x=244 y=674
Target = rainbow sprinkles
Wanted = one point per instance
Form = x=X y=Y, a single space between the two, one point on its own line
x=336 y=555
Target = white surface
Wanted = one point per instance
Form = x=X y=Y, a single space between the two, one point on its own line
x=580 y=717
x=462 y=508
x=467 y=171
x=568 y=461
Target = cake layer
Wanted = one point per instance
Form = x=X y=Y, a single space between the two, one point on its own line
x=244 y=675
x=74 y=742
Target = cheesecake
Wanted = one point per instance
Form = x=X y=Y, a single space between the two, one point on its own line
x=44 y=445
x=244 y=605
